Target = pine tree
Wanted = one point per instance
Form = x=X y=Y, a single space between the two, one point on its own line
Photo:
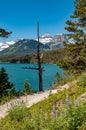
x=76 y=51
x=4 y=33
x=78 y=25
x=5 y=85
x=27 y=88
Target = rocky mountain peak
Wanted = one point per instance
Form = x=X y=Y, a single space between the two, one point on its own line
x=47 y=35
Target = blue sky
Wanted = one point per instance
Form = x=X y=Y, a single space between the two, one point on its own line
x=21 y=16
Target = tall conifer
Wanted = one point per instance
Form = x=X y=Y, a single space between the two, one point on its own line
x=76 y=50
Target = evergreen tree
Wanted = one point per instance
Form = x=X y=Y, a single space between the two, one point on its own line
x=27 y=89
x=4 y=33
x=77 y=26
x=76 y=51
x=5 y=85
x=58 y=77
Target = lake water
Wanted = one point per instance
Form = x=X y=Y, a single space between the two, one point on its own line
x=18 y=75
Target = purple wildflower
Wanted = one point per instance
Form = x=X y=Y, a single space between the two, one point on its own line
x=54 y=111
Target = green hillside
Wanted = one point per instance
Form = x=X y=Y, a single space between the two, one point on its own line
x=48 y=57
x=65 y=110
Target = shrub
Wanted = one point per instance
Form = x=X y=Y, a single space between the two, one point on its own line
x=18 y=113
x=82 y=80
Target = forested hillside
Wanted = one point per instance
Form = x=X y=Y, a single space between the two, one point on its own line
x=47 y=57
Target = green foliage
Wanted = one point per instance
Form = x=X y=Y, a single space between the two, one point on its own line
x=48 y=57
x=78 y=24
x=65 y=63
x=71 y=118
x=27 y=89
x=17 y=58
x=4 y=33
x=18 y=113
x=53 y=56
x=61 y=111
x=76 y=51
x=7 y=90
x=82 y=80
x=5 y=85
x=58 y=79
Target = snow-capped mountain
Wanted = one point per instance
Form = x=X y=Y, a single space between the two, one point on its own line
x=4 y=45
x=59 y=38
x=55 y=41
x=22 y=47
x=46 y=39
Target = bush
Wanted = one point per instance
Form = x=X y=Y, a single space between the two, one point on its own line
x=18 y=113
x=82 y=80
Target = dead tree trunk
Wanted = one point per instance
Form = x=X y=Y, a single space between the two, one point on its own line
x=39 y=68
x=39 y=61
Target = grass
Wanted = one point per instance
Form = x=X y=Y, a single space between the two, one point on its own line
x=61 y=111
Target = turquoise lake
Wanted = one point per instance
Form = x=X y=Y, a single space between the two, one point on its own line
x=17 y=75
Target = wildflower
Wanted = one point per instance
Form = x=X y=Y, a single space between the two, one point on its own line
x=67 y=101
x=46 y=119
x=42 y=112
x=54 y=111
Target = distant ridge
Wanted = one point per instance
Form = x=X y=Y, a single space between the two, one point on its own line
x=28 y=46
x=23 y=46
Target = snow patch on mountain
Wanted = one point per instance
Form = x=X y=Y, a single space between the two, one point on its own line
x=4 y=45
x=57 y=39
x=46 y=38
x=52 y=42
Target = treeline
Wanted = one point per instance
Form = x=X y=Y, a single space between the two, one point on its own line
x=47 y=57
x=16 y=58
x=53 y=56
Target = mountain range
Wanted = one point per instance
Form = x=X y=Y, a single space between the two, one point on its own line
x=47 y=42
x=23 y=46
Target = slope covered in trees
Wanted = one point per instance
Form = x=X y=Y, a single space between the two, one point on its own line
x=47 y=57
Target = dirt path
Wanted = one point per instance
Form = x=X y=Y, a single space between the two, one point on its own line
x=29 y=100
